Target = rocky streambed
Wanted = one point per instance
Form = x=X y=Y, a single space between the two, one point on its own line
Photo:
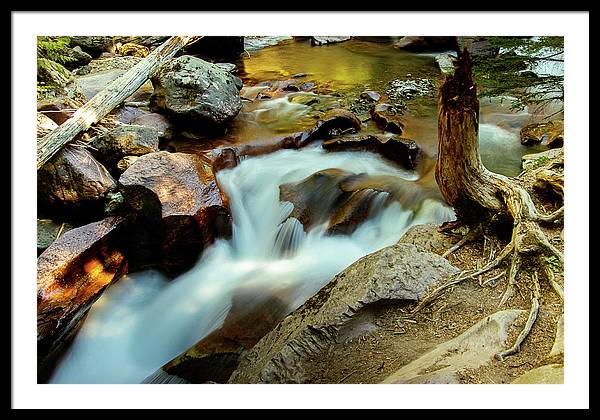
x=248 y=191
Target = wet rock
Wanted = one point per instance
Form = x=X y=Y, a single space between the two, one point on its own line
x=534 y=160
x=304 y=99
x=71 y=275
x=370 y=95
x=44 y=125
x=228 y=67
x=156 y=121
x=223 y=158
x=315 y=196
x=472 y=349
x=177 y=197
x=307 y=86
x=398 y=273
x=193 y=91
x=333 y=122
x=402 y=151
x=255 y=43
x=550 y=134
x=547 y=374
x=125 y=140
x=323 y=40
x=299 y=75
x=73 y=181
x=426 y=43
x=386 y=120
x=94 y=45
x=48 y=231
x=214 y=358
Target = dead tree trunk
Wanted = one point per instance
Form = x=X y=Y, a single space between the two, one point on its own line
x=106 y=100
x=478 y=194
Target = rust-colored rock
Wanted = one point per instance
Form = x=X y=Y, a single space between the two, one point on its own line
x=177 y=196
x=403 y=151
x=71 y=275
x=334 y=122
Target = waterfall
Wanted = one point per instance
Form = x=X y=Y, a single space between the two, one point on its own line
x=144 y=320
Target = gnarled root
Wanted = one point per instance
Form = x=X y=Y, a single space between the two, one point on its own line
x=533 y=312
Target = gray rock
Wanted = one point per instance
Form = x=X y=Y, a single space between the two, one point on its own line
x=401 y=272
x=534 y=160
x=228 y=67
x=79 y=58
x=193 y=91
x=476 y=45
x=125 y=140
x=48 y=231
x=472 y=349
x=446 y=62
x=94 y=45
x=322 y=40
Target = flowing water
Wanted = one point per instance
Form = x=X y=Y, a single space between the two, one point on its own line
x=145 y=319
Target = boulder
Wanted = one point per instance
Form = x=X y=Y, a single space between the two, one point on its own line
x=334 y=122
x=323 y=40
x=71 y=275
x=177 y=199
x=472 y=349
x=78 y=57
x=125 y=140
x=74 y=181
x=429 y=238
x=400 y=150
x=550 y=134
x=94 y=45
x=57 y=81
x=401 y=273
x=446 y=63
x=426 y=43
x=157 y=121
x=193 y=91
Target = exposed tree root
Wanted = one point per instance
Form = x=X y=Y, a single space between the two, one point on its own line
x=473 y=234
x=533 y=312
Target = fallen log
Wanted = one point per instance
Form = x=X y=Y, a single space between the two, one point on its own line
x=109 y=98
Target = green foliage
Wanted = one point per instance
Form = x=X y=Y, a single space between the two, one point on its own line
x=55 y=48
x=540 y=161
x=507 y=73
x=553 y=262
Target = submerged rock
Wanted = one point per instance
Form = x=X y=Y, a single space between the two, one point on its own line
x=402 y=151
x=193 y=91
x=398 y=273
x=71 y=275
x=472 y=349
x=125 y=140
x=177 y=197
x=74 y=181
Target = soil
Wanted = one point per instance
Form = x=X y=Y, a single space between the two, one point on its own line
x=399 y=337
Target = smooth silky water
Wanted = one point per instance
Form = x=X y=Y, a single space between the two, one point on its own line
x=144 y=320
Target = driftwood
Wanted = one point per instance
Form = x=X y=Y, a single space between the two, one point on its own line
x=106 y=100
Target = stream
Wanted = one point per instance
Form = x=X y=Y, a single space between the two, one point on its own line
x=146 y=319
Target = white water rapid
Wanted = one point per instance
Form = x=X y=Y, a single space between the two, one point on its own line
x=143 y=320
